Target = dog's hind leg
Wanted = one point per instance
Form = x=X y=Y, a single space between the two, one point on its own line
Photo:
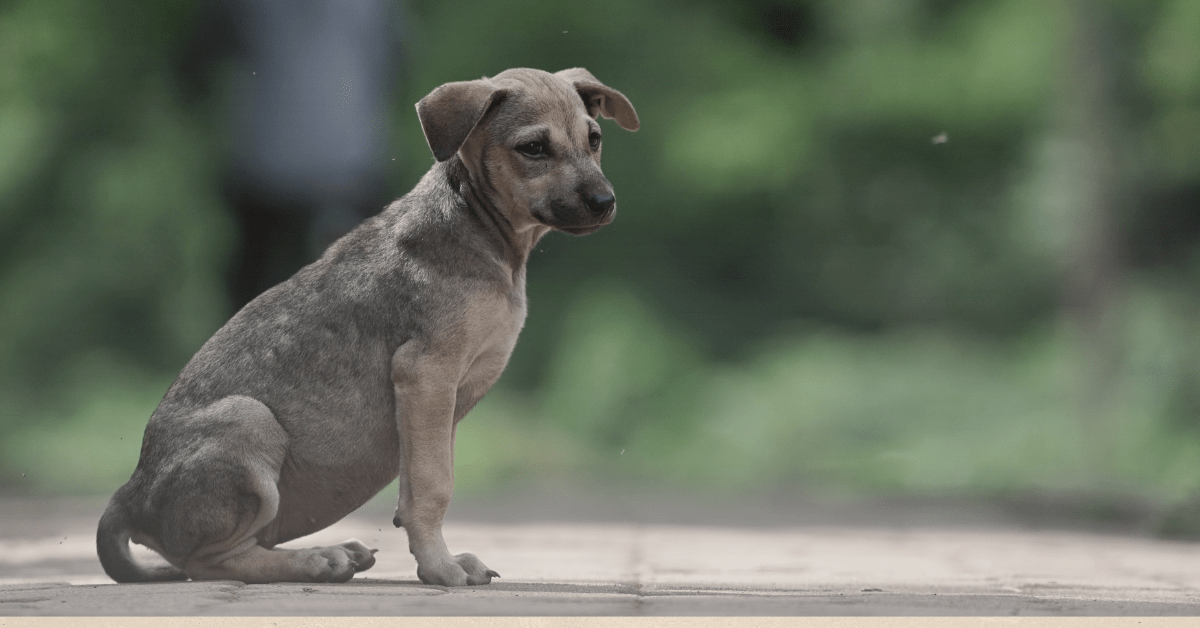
x=253 y=564
x=224 y=491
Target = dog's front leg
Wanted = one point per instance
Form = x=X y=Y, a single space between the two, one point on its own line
x=425 y=401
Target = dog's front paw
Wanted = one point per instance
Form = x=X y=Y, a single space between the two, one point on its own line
x=460 y=570
x=477 y=572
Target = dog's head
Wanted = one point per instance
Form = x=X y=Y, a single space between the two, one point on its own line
x=530 y=140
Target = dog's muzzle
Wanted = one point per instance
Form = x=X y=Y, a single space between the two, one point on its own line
x=587 y=216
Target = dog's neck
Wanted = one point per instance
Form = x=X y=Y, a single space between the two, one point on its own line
x=512 y=244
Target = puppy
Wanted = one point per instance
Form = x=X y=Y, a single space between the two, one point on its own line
x=356 y=370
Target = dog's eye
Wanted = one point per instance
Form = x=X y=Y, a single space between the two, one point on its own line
x=594 y=140
x=533 y=149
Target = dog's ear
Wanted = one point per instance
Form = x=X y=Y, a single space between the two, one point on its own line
x=601 y=99
x=449 y=113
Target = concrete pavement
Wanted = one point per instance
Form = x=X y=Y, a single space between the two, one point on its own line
x=871 y=561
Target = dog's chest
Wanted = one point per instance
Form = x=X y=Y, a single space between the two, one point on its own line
x=493 y=323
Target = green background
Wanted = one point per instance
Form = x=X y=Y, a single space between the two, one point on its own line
x=904 y=247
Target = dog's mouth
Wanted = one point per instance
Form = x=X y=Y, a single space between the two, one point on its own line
x=576 y=229
x=579 y=231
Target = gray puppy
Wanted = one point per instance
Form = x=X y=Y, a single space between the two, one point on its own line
x=356 y=370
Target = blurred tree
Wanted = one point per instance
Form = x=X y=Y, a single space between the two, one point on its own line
x=1094 y=100
x=111 y=236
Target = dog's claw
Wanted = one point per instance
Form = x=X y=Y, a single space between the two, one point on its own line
x=492 y=574
x=374 y=551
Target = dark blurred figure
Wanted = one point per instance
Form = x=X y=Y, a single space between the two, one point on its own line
x=307 y=121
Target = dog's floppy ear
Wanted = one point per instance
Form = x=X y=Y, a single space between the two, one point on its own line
x=601 y=99
x=449 y=113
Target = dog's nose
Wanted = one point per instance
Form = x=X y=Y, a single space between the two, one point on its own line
x=600 y=203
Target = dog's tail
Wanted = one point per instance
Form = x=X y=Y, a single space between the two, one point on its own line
x=112 y=544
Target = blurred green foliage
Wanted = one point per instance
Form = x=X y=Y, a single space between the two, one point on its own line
x=839 y=262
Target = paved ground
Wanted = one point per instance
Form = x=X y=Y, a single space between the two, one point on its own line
x=613 y=555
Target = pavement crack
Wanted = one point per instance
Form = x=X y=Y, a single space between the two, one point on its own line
x=639 y=570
